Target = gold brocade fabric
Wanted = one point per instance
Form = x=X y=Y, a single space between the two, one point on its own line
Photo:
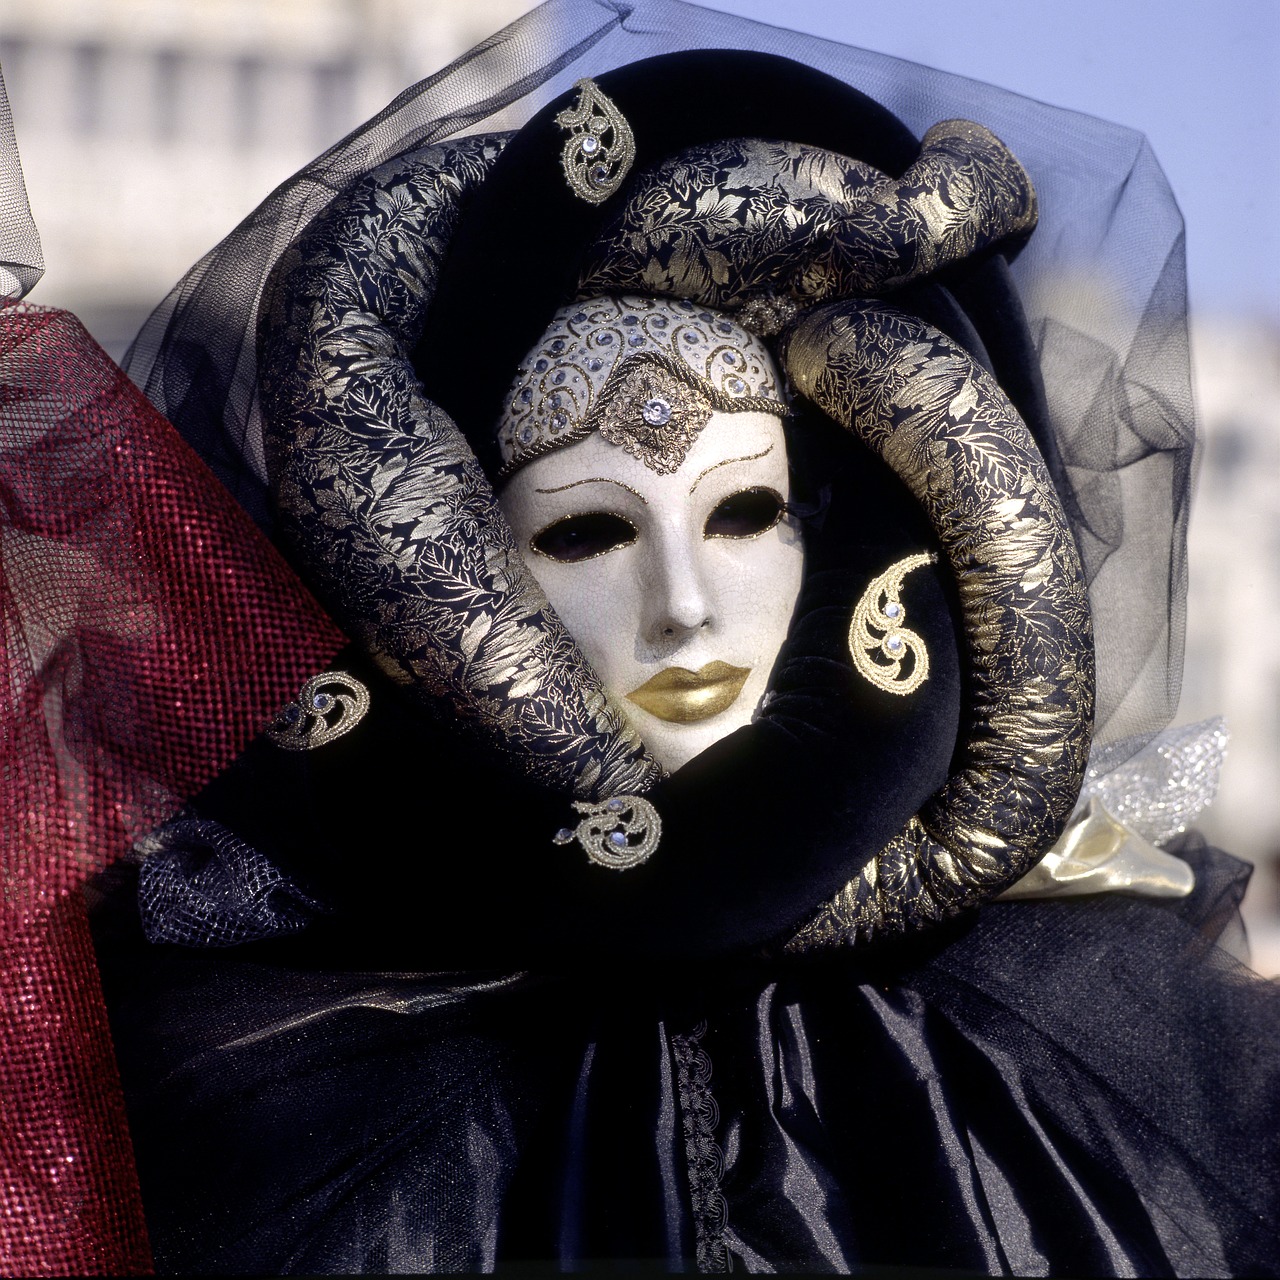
x=731 y=221
x=386 y=503
x=383 y=498
x=942 y=423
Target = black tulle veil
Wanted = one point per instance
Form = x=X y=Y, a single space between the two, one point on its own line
x=21 y=259
x=1102 y=282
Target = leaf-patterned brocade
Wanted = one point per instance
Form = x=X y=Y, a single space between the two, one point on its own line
x=384 y=502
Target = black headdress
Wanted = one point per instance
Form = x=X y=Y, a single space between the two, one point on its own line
x=495 y=228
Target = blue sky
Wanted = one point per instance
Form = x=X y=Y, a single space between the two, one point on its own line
x=1201 y=78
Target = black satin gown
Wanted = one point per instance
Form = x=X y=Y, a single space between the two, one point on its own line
x=1070 y=1088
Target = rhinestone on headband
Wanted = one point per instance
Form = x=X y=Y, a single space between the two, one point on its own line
x=647 y=373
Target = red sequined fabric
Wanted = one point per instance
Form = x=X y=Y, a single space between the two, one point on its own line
x=148 y=632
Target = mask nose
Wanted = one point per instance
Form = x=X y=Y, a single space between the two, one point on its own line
x=679 y=603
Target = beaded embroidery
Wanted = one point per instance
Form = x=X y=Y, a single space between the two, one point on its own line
x=328 y=706
x=648 y=371
x=600 y=149
x=879 y=641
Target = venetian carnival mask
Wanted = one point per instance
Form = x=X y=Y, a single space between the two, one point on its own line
x=650 y=495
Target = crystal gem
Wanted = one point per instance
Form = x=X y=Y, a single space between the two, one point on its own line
x=636 y=339
x=564 y=835
x=729 y=358
x=558 y=421
x=600 y=174
x=595 y=365
x=558 y=376
x=656 y=412
x=526 y=434
x=618 y=839
x=736 y=386
x=526 y=395
x=605 y=339
x=541 y=366
x=597 y=124
x=616 y=806
x=590 y=145
x=659 y=322
x=321 y=701
x=557 y=346
x=893 y=609
x=554 y=400
x=292 y=712
x=893 y=643
x=629 y=320
x=691 y=337
x=580 y=317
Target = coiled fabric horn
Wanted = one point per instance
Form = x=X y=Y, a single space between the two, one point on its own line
x=729 y=221
x=945 y=427
x=383 y=503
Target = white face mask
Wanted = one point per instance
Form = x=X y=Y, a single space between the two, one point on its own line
x=678 y=588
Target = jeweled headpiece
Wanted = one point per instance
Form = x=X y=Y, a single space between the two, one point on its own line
x=647 y=373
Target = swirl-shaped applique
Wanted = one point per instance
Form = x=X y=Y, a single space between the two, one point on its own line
x=600 y=149
x=620 y=833
x=328 y=706
x=943 y=424
x=883 y=648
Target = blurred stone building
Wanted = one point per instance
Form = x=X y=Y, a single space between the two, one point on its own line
x=1233 y=617
x=148 y=128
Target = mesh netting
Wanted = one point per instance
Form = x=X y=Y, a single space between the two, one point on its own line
x=208 y=888
x=149 y=631
x=21 y=262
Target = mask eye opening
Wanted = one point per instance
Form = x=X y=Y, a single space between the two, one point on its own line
x=749 y=513
x=585 y=536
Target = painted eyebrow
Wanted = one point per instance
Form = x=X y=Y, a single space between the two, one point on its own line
x=751 y=457
x=598 y=480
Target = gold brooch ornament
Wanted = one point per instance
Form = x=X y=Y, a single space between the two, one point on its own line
x=768 y=313
x=328 y=706
x=600 y=148
x=652 y=413
x=618 y=833
x=880 y=644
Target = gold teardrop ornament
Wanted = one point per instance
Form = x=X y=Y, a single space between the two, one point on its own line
x=600 y=149
x=880 y=644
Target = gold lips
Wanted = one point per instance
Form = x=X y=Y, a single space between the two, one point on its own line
x=683 y=696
